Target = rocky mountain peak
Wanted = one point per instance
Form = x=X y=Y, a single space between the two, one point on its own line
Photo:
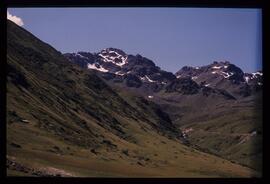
x=223 y=68
x=115 y=64
x=136 y=71
x=223 y=75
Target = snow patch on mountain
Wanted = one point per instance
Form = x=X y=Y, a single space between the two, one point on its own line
x=81 y=56
x=113 y=57
x=257 y=73
x=227 y=75
x=146 y=78
x=119 y=73
x=217 y=67
x=149 y=79
x=247 y=79
x=94 y=67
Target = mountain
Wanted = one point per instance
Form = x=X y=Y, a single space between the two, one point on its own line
x=64 y=120
x=224 y=75
x=218 y=102
x=116 y=66
x=138 y=72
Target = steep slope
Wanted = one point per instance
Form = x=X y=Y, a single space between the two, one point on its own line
x=65 y=121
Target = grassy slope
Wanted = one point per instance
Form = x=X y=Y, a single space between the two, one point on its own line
x=221 y=127
x=231 y=136
x=77 y=124
x=156 y=156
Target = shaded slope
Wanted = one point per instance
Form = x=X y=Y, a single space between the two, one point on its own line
x=63 y=88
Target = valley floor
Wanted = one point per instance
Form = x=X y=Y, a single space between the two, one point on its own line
x=155 y=156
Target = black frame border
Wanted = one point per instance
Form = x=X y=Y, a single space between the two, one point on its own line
x=4 y=4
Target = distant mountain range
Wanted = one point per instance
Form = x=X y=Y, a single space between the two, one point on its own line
x=139 y=72
x=118 y=115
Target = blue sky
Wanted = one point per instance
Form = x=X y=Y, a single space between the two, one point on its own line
x=171 y=37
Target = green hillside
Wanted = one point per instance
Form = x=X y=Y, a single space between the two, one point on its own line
x=231 y=129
